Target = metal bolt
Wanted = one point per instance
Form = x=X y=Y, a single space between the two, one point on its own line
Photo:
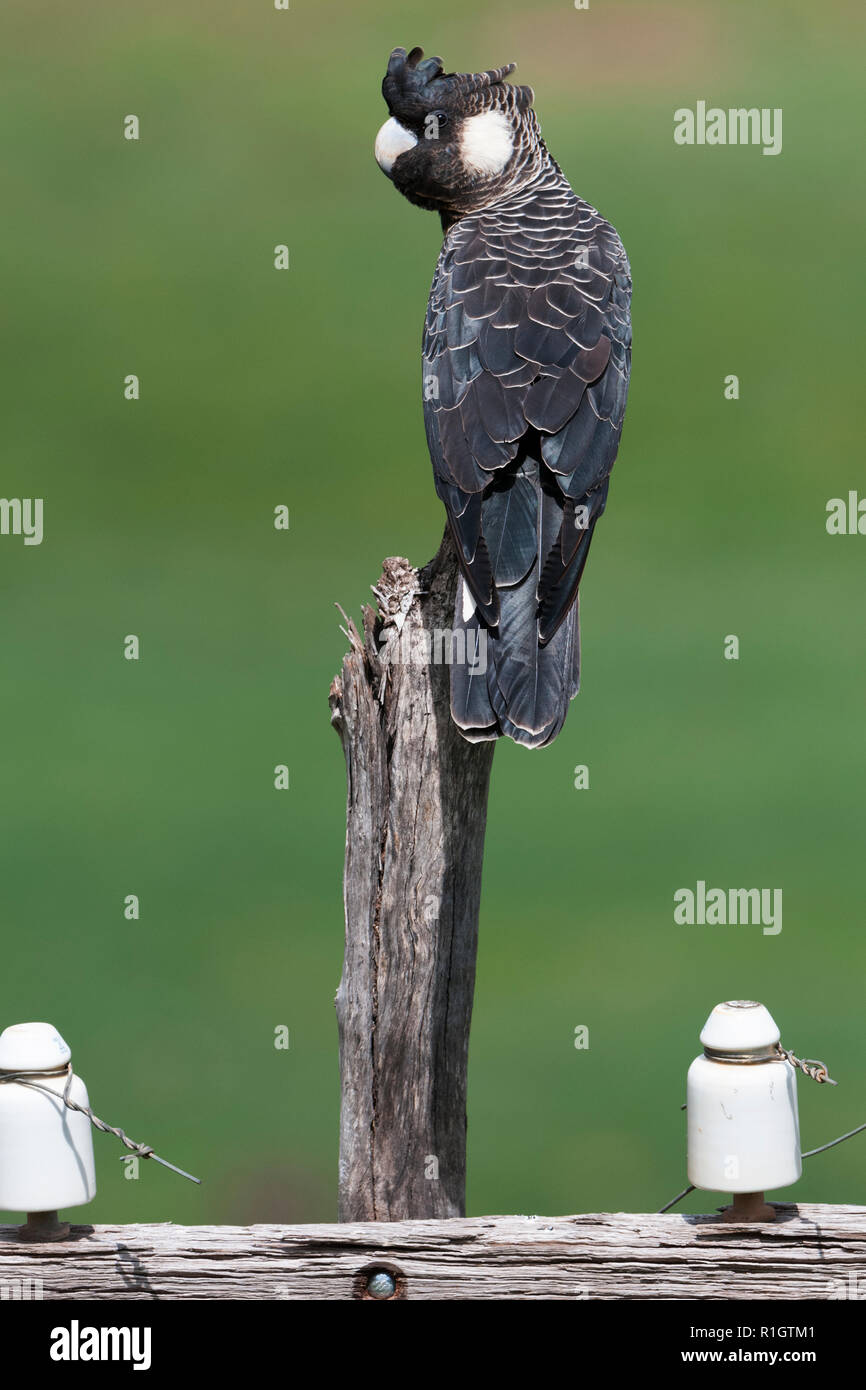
x=43 y=1225
x=381 y=1284
x=749 y=1206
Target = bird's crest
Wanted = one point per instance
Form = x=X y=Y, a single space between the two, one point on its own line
x=414 y=85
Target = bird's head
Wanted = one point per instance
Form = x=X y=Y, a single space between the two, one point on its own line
x=455 y=142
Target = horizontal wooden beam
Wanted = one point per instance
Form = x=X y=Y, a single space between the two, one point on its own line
x=808 y=1252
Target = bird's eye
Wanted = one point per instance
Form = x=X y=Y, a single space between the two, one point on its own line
x=434 y=123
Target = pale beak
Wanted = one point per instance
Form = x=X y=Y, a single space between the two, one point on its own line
x=392 y=141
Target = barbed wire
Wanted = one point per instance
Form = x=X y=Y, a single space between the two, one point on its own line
x=140 y=1150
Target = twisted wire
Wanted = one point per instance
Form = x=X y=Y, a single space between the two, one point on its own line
x=140 y=1150
x=809 y=1066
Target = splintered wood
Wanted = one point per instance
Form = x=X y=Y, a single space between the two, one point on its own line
x=809 y=1252
x=415 y=822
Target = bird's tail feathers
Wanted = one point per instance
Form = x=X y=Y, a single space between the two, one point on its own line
x=509 y=684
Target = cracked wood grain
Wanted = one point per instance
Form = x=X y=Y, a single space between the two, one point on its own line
x=415 y=822
x=809 y=1252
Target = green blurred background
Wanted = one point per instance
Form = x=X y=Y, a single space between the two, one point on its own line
x=261 y=387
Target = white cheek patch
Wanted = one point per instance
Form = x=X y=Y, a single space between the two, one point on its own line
x=486 y=142
x=392 y=141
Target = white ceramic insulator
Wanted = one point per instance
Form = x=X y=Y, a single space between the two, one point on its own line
x=743 y=1128
x=46 y=1149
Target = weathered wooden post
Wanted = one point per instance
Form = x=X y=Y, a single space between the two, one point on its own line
x=416 y=815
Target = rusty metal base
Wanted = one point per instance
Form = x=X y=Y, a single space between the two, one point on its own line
x=749 y=1206
x=43 y=1225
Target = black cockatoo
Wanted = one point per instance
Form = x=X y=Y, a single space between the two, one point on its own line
x=526 y=354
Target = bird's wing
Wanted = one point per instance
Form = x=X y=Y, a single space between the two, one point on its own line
x=526 y=352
